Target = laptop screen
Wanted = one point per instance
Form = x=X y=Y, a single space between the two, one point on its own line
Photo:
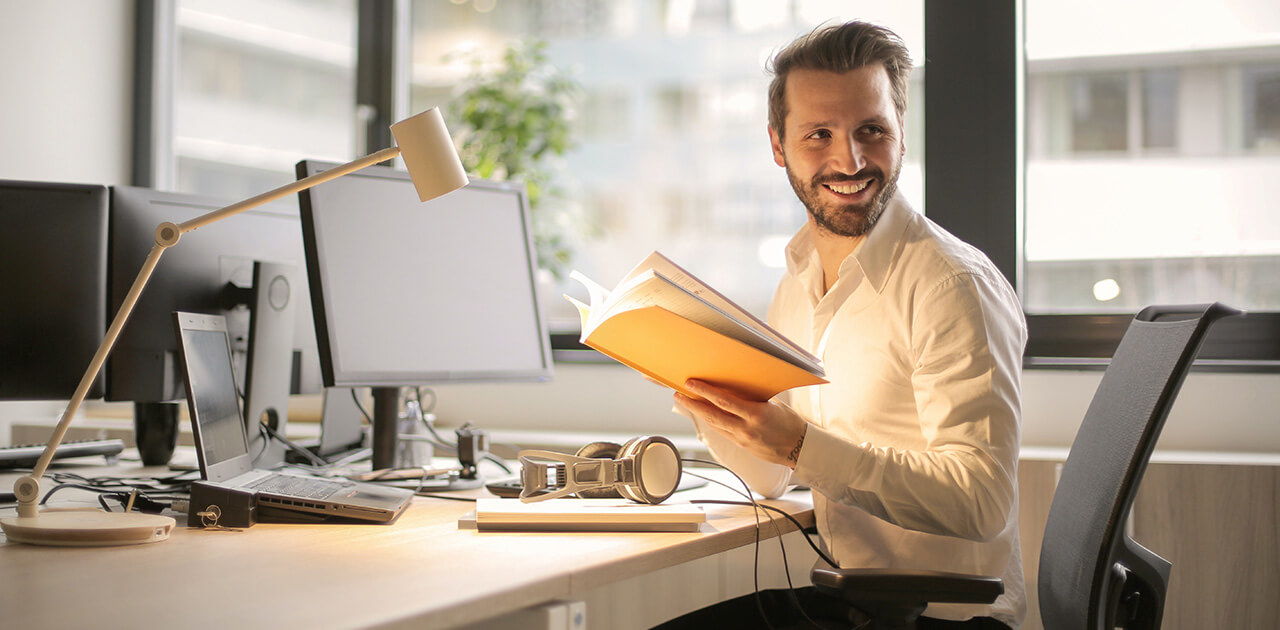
x=211 y=396
x=221 y=435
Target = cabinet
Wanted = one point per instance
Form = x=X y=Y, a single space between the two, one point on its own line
x=1217 y=522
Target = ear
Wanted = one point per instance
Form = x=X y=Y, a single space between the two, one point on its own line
x=774 y=141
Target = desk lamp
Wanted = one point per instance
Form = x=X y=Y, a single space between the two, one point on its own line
x=433 y=164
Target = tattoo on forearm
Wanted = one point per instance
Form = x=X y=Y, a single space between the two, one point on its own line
x=794 y=455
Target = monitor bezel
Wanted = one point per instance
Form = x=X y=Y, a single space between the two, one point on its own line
x=320 y=304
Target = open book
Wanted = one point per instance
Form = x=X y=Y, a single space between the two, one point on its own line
x=667 y=324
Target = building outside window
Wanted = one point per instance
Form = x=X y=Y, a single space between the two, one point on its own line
x=258 y=85
x=1151 y=155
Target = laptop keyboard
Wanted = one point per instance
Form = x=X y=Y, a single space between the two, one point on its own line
x=303 y=487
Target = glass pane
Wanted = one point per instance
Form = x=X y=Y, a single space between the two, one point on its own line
x=1160 y=109
x=1262 y=107
x=669 y=148
x=261 y=84
x=1100 y=112
x=1151 y=155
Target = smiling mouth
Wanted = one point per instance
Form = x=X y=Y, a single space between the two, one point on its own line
x=848 y=189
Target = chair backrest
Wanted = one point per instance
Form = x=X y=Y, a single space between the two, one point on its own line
x=1092 y=575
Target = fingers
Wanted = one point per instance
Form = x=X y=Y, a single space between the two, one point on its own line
x=712 y=416
x=720 y=397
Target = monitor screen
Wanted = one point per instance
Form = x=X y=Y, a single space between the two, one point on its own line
x=53 y=253
x=412 y=293
x=202 y=273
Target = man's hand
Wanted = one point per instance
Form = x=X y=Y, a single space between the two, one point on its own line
x=770 y=431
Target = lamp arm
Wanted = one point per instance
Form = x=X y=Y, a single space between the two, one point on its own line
x=290 y=188
x=27 y=488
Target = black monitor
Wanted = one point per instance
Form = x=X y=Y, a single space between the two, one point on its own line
x=53 y=278
x=210 y=270
x=407 y=293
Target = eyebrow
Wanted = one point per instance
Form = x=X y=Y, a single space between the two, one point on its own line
x=871 y=120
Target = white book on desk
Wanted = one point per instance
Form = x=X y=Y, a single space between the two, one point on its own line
x=586 y=515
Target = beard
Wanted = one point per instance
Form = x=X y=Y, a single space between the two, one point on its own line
x=846 y=219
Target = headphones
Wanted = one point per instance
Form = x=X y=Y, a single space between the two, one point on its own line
x=646 y=469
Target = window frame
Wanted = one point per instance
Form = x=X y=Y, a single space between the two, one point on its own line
x=976 y=71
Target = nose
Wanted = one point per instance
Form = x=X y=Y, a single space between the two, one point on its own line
x=846 y=156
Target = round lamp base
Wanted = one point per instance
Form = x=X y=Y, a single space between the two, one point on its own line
x=87 y=527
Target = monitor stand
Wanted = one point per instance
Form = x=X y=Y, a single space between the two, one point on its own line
x=386 y=418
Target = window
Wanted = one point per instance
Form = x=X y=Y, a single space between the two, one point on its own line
x=253 y=87
x=1261 y=96
x=1147 y=156
x=1099 y=112
x=1160 y=108
x=670 y=149
x=1148 y=172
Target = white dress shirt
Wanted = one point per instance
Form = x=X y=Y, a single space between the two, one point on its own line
x=912 y=446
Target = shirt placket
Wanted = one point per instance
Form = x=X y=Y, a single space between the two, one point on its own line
x=823 y=315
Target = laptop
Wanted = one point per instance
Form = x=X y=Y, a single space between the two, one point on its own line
x=222 y=445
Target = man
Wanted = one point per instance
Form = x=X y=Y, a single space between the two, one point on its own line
x=911 y=449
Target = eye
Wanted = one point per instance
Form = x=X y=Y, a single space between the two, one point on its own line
x=819 y=134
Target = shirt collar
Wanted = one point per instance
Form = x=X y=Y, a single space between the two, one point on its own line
x=874 y=256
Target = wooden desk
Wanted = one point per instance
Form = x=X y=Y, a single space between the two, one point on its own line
x=422 y=571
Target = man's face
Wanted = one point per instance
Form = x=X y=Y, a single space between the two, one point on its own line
x=843 y=147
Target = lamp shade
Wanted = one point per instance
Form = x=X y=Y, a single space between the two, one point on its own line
x=429 y=154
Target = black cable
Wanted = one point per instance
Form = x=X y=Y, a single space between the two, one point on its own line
x=417 y=391
x=755 y=572
x=173 y=483
x=55 y=489
x=264 y=432
x=822 y=554
x=315 y=460
x=501 y=464
x=360 y=406
x=782 y=546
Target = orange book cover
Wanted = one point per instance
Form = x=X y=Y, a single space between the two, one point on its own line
x=667 y=324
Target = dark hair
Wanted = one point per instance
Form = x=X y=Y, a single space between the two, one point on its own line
x=840 y=48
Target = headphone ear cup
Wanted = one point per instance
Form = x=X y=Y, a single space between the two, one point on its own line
x=657 y=469
x=600 y=450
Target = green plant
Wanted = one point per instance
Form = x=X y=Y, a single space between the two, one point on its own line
x=512 y=121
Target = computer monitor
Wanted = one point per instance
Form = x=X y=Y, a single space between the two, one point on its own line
x=407 y=293
x=211 y=270
x=53 y=253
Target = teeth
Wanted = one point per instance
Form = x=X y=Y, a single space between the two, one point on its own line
x=847 y=189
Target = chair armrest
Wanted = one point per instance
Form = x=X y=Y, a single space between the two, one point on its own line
x=905 y=586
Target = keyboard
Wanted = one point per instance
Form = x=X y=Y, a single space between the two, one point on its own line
x=301 y=487
x=26 y=455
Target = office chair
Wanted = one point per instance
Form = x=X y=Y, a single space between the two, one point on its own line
x=1092 y=575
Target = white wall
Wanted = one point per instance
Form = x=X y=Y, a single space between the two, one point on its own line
x=66 y=72
x=66 y=67
x=1215 y=411
x=66 y=81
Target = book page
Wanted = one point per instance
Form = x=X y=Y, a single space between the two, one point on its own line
x=653 y=289
x=691 y=283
